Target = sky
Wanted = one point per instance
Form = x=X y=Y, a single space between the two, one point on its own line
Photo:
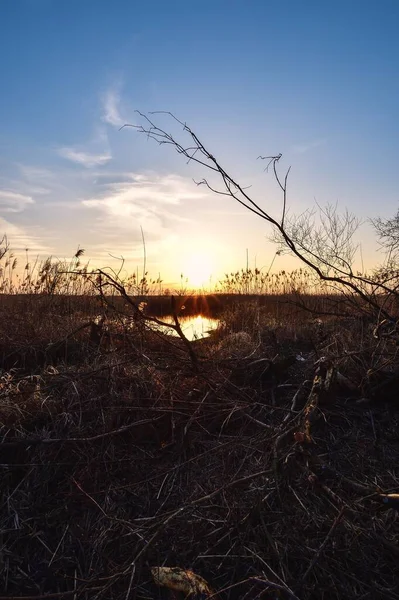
x=315 y=80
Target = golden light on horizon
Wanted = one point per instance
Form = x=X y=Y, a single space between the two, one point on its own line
x=198 y=268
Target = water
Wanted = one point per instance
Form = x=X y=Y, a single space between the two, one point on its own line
x=194 y=327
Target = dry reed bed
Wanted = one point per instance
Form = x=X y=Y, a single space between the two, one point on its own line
x=129 y=460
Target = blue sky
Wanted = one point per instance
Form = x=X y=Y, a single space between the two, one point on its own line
x=317 y=81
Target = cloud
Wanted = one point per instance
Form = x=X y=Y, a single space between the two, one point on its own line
x=128 y=249
x=96 y=153
x=33 y=180
x=302 y=148
x=84 y=158
x=111 y=108
x=13 y=202
x=22 y=238
x=148 y=200
x=36 y=174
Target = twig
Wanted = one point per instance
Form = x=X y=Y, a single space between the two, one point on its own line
x=373 y=426
x=35 y=441
x=295 y=399
x=131 y=581
x=316 y=557
x=58 y=545
x=265 y=582
x=52 y=594
x=89 y=497
x=321 y=385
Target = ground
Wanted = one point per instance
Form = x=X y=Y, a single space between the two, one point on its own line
x=257 y=467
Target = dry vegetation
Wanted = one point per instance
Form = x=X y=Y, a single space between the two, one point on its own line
x=262 y=459
x=259 y=466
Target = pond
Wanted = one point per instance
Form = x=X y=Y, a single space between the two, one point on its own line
x=194 y=327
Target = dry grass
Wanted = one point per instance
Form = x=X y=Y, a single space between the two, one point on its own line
x=120 y=458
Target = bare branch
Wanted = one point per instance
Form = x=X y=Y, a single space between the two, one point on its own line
x=326 y=249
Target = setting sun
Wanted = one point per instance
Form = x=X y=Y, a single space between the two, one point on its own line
x=198 y=268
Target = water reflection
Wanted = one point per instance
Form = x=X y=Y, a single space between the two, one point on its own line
x=194 y=327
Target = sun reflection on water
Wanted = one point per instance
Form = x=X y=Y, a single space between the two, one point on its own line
x=194 y=327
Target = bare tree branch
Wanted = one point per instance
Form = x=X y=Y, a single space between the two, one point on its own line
x=326 y=249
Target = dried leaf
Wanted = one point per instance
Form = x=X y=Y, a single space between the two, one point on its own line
x=181 y=580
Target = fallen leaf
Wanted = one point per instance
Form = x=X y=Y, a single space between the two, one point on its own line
x=181 y=580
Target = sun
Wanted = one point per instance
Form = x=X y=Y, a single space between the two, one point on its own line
x=198 y=269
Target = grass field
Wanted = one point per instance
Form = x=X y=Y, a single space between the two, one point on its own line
x=255 y=466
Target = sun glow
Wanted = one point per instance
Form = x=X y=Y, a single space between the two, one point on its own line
x=198 y=269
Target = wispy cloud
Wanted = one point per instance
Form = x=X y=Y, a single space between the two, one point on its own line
x=302 y=148
x=36 y=174
x=131 y=249
x=33 y=180
x=86 y=159
x=146 y=200
x=111 y=108
x=22 y=238
x=14 y=202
